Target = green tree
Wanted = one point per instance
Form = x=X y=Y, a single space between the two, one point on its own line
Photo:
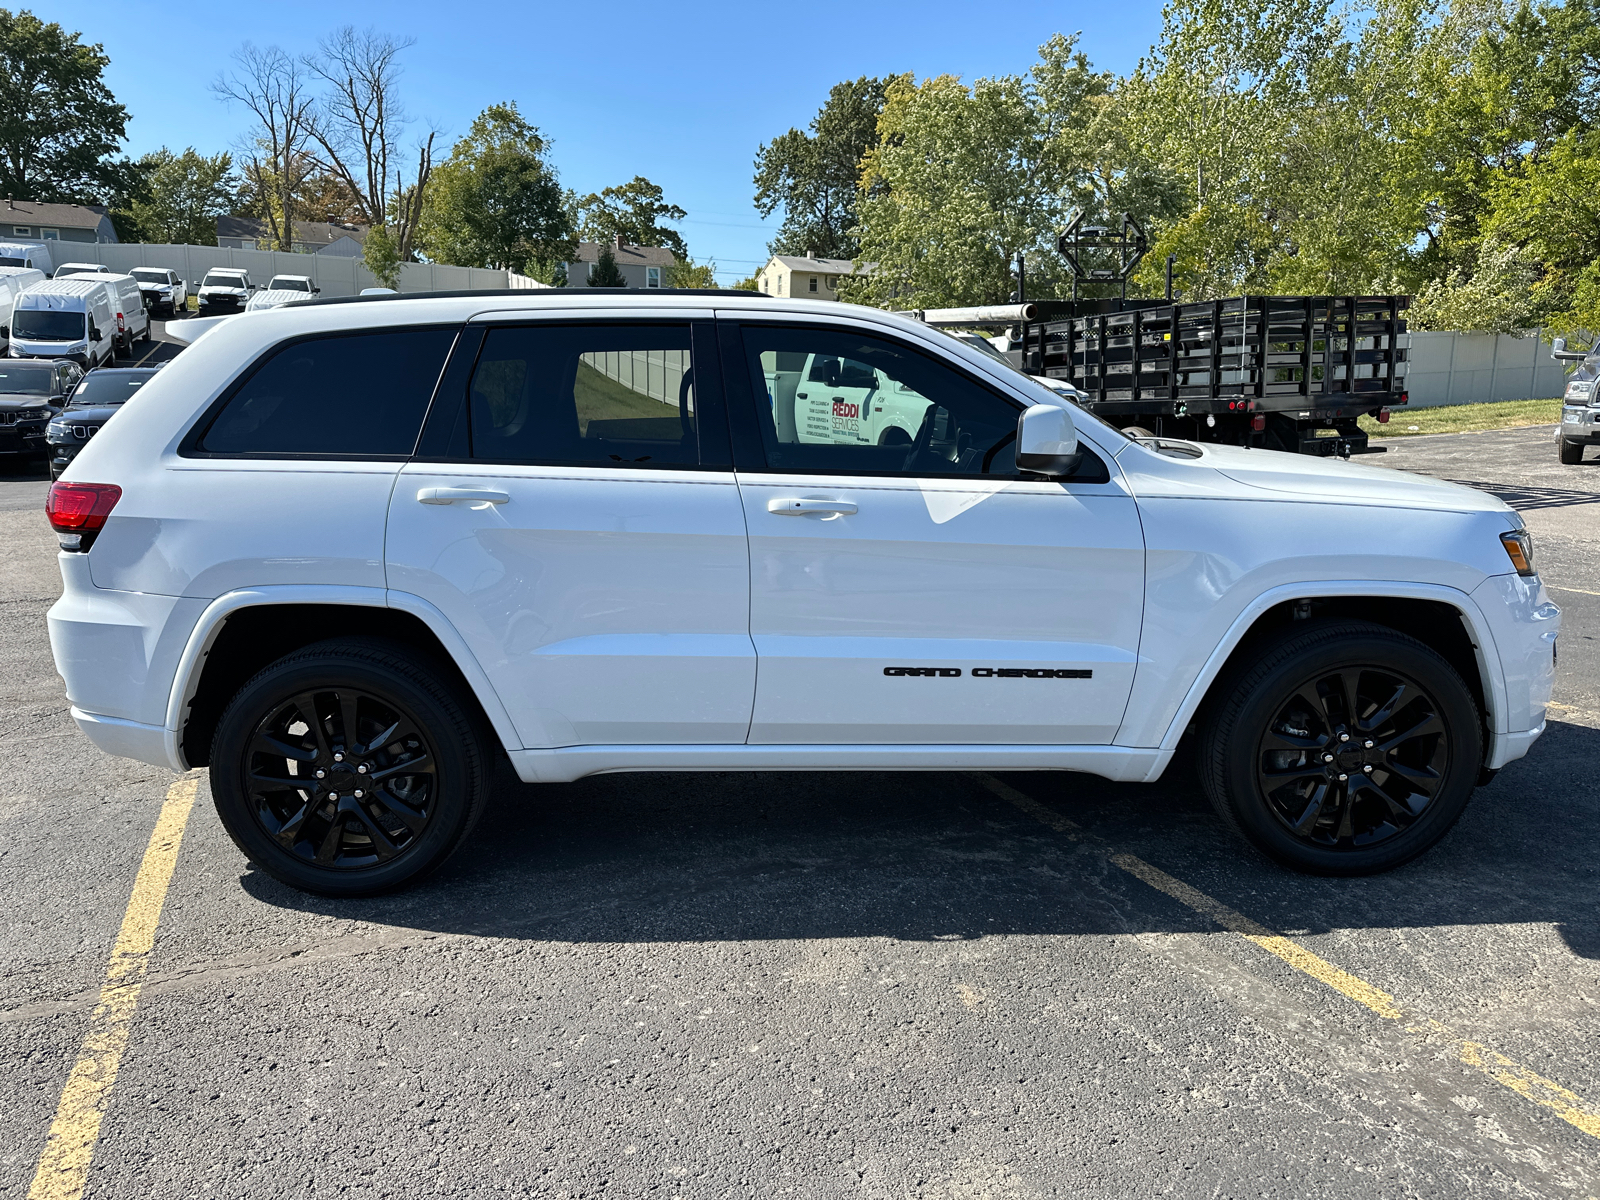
x=497 y=200
x=633 y=211
x=813 y=177
x=59 y=123
x=381 y=255
x=690 y=274
x=963 y=179
x=182 y=197
x=606 y=272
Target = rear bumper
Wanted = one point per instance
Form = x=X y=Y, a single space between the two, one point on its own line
x=130 y=739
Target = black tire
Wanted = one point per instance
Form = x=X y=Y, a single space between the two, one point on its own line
x=1571 y=452
x=322 y=838
x=1264 y=744
x=1136 y=431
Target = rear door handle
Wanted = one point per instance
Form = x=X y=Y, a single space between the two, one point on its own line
x=795 y=507
x=455 y=495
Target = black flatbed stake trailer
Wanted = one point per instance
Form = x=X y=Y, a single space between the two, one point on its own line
x=1279 y=372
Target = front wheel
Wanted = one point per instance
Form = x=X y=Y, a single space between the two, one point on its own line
x=348 y=769
x=1345 y=750
x=1571 y=452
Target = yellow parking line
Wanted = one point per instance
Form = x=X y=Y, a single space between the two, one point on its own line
x=64 y=1166
x=1580 y=591
x=1581 y=1114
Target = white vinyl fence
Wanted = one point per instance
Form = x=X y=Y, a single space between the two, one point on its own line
x=336 y=276
x=1472 y=368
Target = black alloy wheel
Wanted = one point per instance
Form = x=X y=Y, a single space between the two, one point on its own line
x=349 y=768
x=342 y=779
x=1353 y=757
x=1345 y=749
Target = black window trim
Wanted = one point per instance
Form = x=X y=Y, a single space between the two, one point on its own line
x=750 y=453
x=190 y=447
x=711 y=403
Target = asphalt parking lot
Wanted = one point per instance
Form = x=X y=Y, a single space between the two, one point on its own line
x=944 y=986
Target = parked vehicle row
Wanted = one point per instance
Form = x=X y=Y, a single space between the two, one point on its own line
x=31 y=393
x=94 y=400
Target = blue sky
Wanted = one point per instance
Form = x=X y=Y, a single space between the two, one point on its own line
x=680 y=94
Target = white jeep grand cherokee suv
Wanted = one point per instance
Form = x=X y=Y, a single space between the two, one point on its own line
x=346 y=552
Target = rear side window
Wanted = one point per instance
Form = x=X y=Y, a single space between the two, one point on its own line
x=352 y=395
x=602 y=395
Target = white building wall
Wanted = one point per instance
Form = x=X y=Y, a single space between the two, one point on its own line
x=335 y=275
x=1474 y=368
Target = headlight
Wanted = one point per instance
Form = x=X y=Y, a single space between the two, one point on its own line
x=1519 y=549
x=1580 y=389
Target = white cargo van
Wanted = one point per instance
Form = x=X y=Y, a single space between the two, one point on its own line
x=133 y=319
x=35 y=255
x=65 y=318
x=66 y=269
x=13 y=282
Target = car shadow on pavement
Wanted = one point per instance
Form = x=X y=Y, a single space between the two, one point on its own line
x=915 y=857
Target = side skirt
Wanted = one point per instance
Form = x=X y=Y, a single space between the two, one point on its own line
x=566 y=763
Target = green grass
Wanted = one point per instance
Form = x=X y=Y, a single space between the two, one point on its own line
x=1464 y=418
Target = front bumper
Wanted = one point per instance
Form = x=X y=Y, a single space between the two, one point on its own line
x=212 y=305
x=22 y=439
x=1580 y=424
x=1522 y=628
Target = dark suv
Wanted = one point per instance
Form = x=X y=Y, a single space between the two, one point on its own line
x=31 y=392
x=94 y=403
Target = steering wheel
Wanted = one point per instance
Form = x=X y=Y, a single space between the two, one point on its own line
x=922 y=441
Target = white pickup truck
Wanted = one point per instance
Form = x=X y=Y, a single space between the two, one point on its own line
x=347 y=553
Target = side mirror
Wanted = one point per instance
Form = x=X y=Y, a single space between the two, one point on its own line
x=5 y=331
x=1559 y=352
x=1047 y=443
x=316 y=291
x=94 y=332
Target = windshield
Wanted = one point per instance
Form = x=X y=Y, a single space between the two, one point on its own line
x=19 y=380
x=108 y=387
x=216 y=280
x=147 y=275
x=287 y=283
x=46 y=325
x=63 y=272
x=983 y=345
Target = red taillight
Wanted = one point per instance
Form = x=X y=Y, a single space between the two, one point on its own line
x=1405 y=397
x=1258 y=422
x=1383 y=416
x=120 y=325
x=80 y=507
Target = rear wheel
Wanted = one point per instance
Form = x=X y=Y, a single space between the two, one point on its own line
x=347 y=769
x=1571 y=452
x=1346 y=750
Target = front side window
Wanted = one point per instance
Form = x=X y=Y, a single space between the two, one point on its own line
x=354 y=395
x=836 y=401
x=599 y=395
x=47 y=325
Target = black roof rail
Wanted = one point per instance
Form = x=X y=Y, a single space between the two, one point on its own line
x=641 y=293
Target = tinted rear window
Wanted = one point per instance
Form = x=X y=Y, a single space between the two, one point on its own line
x=356 y=394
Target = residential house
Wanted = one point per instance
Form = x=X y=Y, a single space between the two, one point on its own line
x=641 y=266
x=810 y=277
x=29 y=221
x=310 y=237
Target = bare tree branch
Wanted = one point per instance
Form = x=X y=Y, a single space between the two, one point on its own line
x=358 y=125
x=273 y=87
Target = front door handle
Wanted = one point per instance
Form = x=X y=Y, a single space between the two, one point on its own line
x=455 y=495
x=795 y=507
